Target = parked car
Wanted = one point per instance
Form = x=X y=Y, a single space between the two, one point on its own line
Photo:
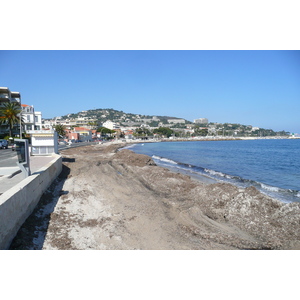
x=3 y=144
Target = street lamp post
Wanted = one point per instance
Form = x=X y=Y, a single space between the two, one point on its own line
x=21 y=123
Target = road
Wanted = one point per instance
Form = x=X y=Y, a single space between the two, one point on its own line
x=74 y=145
x=8 y=158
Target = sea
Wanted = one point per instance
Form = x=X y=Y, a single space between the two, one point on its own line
x=270 y=165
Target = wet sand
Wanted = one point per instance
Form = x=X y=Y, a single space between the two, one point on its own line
x=110 y=199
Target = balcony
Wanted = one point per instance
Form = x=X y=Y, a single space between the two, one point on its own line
x=15 y=100
x=15 y=97
x=4 y=97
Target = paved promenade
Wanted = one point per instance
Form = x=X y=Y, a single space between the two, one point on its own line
x=10 y=176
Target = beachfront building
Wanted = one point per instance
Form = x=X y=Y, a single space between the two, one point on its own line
x=32 y=119
x=201 y=121
x=128 y=134
x=7 y=96
x=110 y=125
x=85 y=134
x=43 y=142
x=72 y=136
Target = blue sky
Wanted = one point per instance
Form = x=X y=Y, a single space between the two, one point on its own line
x=259 y=88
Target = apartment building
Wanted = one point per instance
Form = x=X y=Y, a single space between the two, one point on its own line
x=71 y=123
x=7 y=96
x=110 y=125
x=85 y=134
x=32 y=119
x=176 y=121
x=201 y=121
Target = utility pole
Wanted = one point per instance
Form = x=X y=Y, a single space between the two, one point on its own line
x=21 y=123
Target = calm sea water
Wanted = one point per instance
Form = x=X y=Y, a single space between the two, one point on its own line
x=272 y=166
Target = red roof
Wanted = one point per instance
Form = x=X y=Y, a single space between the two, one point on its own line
x=81 y=128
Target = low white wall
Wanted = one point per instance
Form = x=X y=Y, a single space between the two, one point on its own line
x=18 y=203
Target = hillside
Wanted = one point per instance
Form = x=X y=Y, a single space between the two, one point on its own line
x=102 y=115
x=99 y=116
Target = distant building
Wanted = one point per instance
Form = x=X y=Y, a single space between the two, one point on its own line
x=85 y=134
x=110 y=125
x=201 y=121
x=176 y=121
x=70 y=135
x=71 y=123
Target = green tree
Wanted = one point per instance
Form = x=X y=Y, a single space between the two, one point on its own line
x=10 y=115
x=93 y=124
x=203 y=132
x=165 y=131
x=142 y=132
x=60 y=129
x=105 y=131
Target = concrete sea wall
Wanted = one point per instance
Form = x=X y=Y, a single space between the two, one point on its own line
x=18 y=203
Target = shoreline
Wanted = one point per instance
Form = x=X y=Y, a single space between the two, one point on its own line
x=120 y=200
x=281 y=193
x=218 y=138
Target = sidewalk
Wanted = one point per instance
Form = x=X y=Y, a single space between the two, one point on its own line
x=10 y=176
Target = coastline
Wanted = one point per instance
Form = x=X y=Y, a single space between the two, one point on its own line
x=215 y=138
x=266 y=177
x=110 y=199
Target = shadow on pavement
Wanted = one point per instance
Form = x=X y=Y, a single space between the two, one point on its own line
x=32 y=233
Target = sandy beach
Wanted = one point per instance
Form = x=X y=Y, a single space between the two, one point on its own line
x=107 y=199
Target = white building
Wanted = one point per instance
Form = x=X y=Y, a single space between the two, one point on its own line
x=32 y=119
x=110 y=125
x=176 y=121
x=69 y=123
x=201 y=121
x=43 y=142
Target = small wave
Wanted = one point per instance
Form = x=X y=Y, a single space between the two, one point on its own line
x=272 y=191
x=165 y=160
x=216 y=173
x=270 y=188
x=128 y=147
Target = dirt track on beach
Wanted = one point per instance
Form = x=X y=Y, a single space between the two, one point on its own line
x=109 y=199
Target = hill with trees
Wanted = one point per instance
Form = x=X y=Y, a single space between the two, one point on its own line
x=167 y=125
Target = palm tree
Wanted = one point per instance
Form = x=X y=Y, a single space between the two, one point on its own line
x=60 y=129
x=10 y=114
